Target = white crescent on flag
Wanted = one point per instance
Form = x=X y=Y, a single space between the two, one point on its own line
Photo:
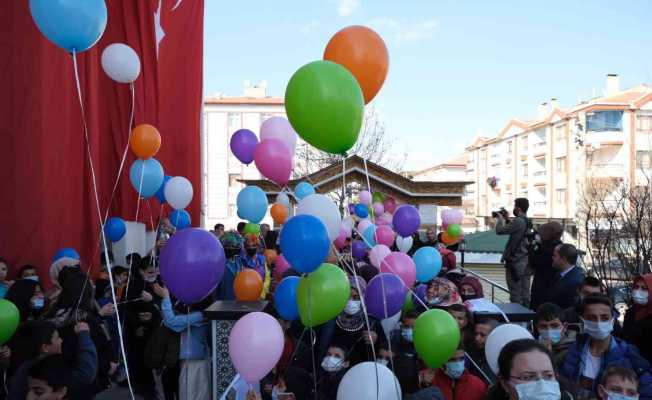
x=158 y=28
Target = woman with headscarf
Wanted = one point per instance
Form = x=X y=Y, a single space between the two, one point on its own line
x=638 y=318
x=442 y=293
x=232 y=243
x=541 y=262
x=471 y=288
x=27 y=296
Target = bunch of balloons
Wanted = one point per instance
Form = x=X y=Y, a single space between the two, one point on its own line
x=451 y=224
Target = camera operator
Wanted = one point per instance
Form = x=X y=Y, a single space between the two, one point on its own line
x=515 y=255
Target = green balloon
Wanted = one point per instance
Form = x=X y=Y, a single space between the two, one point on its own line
x=9 y=319
x=436 y=337
x=377 y=197
x=454 y=230
x=322 y=295
x=324 y=104
x=252 y=229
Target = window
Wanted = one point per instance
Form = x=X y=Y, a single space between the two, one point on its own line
x=265 y=116
x=233 y=210
x=524 y=193
x=524 y=143
x=561 y=196
x=524 y=170
x=234 y=122
x=509 y=147
x=561 y=164
x=600 y=121
x=560 y=133
x=643 y=159
x=644 y=123
x=233 y=179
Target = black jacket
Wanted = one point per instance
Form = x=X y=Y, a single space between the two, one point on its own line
x=544 y=272
x=565 y=289
x=638 y=332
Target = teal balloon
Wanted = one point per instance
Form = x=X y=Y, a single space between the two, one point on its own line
x=325 y=105
x=303 y=189
x=151 y=173
x=252 y=204
x=9 y=318
x=428 y=263
x=70 y=24
x=369 y=235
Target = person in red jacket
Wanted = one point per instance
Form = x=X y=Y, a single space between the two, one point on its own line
x=456 y=382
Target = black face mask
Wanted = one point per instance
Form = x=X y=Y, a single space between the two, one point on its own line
x=466 y=297
x=230 y=253
x=251 y=252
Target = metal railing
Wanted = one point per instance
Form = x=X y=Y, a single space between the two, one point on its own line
x=493 y=284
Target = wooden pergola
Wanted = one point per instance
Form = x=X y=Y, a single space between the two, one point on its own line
x=404 y=190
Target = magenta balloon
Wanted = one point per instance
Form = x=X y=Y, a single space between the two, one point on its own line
x=340 y=241
x=406 y=220
x=255 y=345
x=358 y=249
x=402 y=265
x=390 y=205
x=279 y=128
x=385 y=235
x=243 y=144
x=378 y=254
x=378 y=208
x=385 y=295
x=192 y=264
x=280 y=266
x=274 y=161
x=365 y=197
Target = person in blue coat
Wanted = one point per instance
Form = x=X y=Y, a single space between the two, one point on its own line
x=598 y=349
x=567 y=283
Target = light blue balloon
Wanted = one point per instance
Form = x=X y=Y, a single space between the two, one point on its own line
x=428 y=263
x=180 y=219
x=303 y=189
x=152 y=176
x=70 y=24
x=252 y=204
x=285 y=298
x=369 y=236
x=115 y=228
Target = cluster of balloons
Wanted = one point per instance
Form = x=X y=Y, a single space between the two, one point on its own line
x=274 y=153
x=451 y=225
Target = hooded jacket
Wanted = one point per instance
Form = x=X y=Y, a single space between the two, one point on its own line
x=637 y=325
x=467 y=387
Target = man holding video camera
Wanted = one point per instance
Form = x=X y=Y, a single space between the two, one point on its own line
x=515 y=255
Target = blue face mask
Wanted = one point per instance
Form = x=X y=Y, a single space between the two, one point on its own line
x=407 y=334
x=454 y=369
x=538 y=390
x=618 y=396
x=598 y=330
x=554 y=335
x=38 y=303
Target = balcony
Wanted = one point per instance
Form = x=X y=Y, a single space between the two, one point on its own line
x=540 y=177
x=540 y=208
x=607 y=170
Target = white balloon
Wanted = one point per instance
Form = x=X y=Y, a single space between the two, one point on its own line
x=283 y=198
x=178 y=192
x=323 y=208
x=404 y=244
x=121 y=63
x=378 y=254
x=389 y=324
x=360 y=383
x=498 y=338
x=279 y=128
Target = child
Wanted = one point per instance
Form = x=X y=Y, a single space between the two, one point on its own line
x=193 y=350
x=481 y=330
x=4 y=283
x=50 y=378
x=456 y=382
x=406 y=363
x=333 y=367
x=618 y=383
x=552 y=331
x=463 y=318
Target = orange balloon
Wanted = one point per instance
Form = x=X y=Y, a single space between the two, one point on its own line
x=248 y=285
x=270 y=256
x=363 y=52
x=447 y=239
x=145 y=141
x=279 y=213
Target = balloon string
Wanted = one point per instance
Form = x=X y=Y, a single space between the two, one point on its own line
x=99 y=215
x=228 y=388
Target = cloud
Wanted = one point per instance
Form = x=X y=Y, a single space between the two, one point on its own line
x=346 y=8
x=403 y=31
x=309 y=28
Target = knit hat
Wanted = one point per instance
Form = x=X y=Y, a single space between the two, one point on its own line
x=231 y=240
x=66 y=257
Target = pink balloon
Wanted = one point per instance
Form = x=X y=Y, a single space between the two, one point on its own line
x=456 y=216
x=385 y=235
x=279 y=128
x=444 y=226
x=340 y=241
x=378 y=208
x=365 y=197
x=363 y=225
x=390 y=205
x=386 y=218
x=255 y=345
x=280 y=266
x=378 y=254
x=402 y=265
x=274 y=161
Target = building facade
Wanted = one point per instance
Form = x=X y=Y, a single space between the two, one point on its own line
x=548 y=160
x=221 y=170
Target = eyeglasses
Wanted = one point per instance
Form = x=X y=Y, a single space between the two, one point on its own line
x=531 y=376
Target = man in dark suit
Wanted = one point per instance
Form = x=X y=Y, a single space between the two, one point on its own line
x=569 y=278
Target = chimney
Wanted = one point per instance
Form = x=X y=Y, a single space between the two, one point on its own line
x=553 y=104
x=613 y=84
x=542 y=110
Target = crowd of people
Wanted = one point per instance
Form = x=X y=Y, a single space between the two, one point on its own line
x=68 y=343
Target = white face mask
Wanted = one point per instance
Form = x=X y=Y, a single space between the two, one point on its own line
x=150 y=278
x=382 y=361
x=331 y=364
x=538 y=390
x=352 y=307
x=640 y=297
x=618 y=396
x=598 y=330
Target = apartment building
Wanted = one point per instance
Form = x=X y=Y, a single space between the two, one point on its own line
x=548 y=159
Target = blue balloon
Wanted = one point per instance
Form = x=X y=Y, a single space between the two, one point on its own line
x=428 y=263
x=160 y=193
x=152 y=175
x=252 y=204
x=361 y=211
x=180 y=219
x=285 y=298
x=115 y=228
x=70 y=24
x=66 y=252
x=303 y=189
x=305 y=242
x=369 y=236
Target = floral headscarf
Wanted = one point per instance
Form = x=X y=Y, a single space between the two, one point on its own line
x=442 y=292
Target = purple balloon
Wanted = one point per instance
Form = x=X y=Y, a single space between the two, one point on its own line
x=420 y=293
x=351 y=209
x=406 y=220
x=391 y=303
x=243 y=144
x=358 y=249
x=192 y=264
